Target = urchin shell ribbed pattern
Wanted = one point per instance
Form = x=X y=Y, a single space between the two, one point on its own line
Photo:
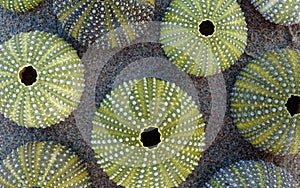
x=194 y=52
x=252 y=174
x=137 y=105
x=59 y=83
x=43 y=164
x=19 y=5
x=280 y=12
x=259 y=98
x=90 y=20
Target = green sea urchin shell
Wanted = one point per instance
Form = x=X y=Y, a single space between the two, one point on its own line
x=41 y=79
x=280 y=12
x=203 y=37
x=19 y=5
x=43 y=164
x=90 y=20
x=148 y=133
x=265 y=102
x=252 y=174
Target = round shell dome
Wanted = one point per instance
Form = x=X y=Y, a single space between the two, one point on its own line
x=252 y=174
x=203 y=37
x=19 y=5
x=148 y=133
x=41 y=79
x=280 y=12
x=43 y=164
x=110 y=23
x=265 y=102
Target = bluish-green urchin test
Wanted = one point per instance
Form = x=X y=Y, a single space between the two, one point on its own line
x=280 y=12
x=203 y=37
x=265 y=102
x=92 y=20
x=254 y=174
x=43 y=165
x=148 y=133
x=19 y=5
x=41 y=79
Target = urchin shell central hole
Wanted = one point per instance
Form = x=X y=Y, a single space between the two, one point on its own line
x=206 y=28
x=28 y=75
x=150 y=137
x=293 y=105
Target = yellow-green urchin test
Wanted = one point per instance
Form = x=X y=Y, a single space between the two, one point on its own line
x=19 y=5
x=203 y=37
x=41 y=79
x=265 y=102
x=118 y=21
x=252 y=174
x=280 y=12
x=148 y=133
x=43 y=164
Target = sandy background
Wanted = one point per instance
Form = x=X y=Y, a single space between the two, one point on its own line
x=227 y=147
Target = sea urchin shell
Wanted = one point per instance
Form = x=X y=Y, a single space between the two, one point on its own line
x=280 y=12
x=19 y=5
x=43 y=164
x=41 y=79
x=148 y=133
x=265 y=102
x=203 y=37
x=252 y=174
x=93 y=20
